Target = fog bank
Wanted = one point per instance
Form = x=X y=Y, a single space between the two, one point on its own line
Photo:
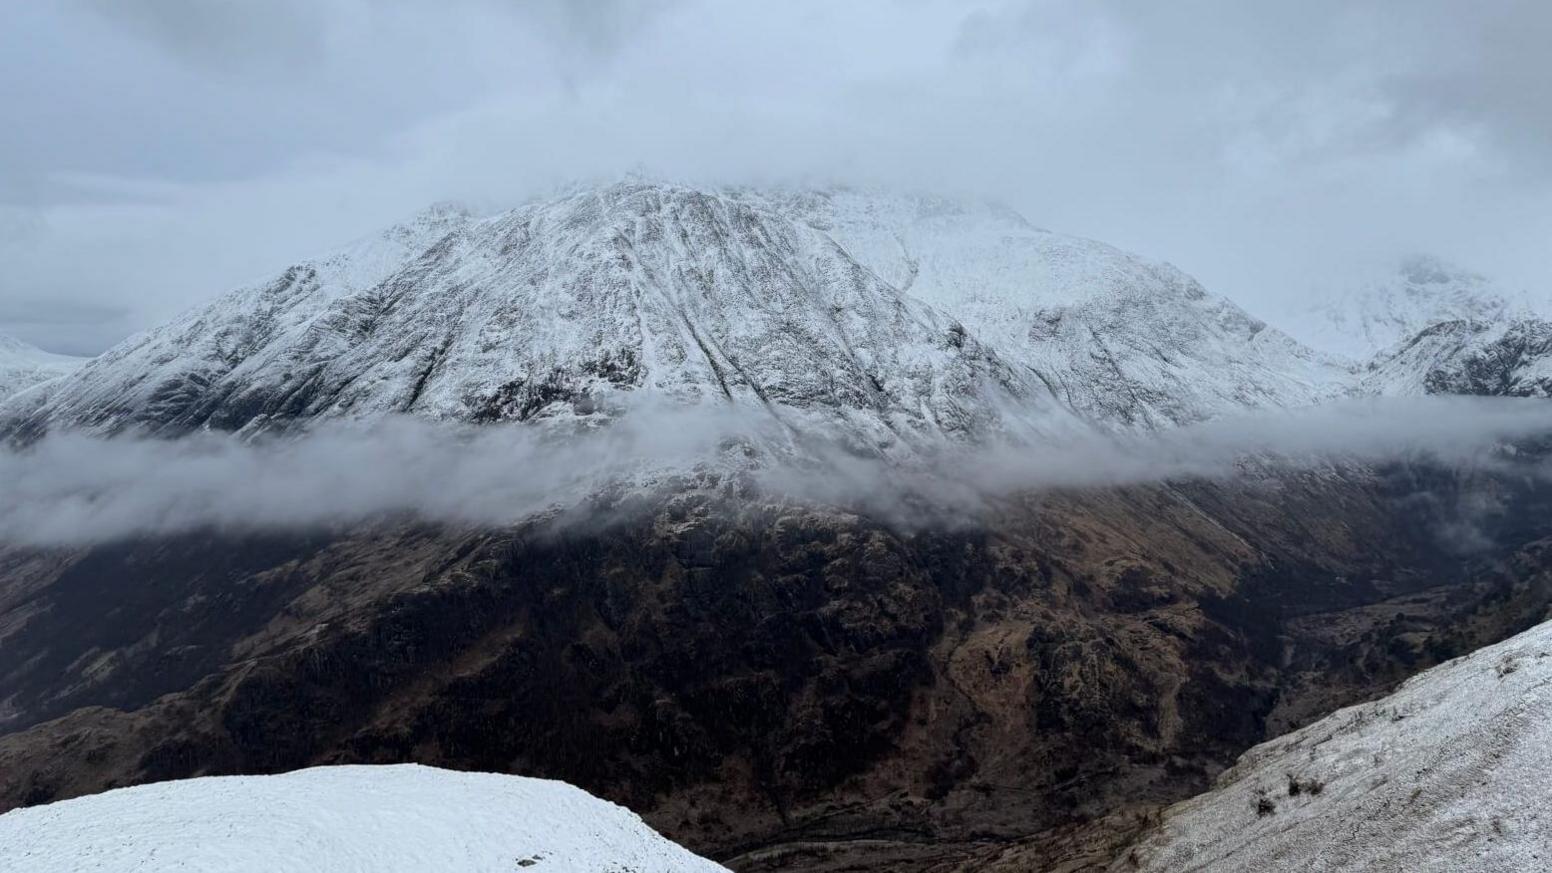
x=73 y=489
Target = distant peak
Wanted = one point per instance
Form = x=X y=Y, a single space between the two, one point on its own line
x=1384 y=304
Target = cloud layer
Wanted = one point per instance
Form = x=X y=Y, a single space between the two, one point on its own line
x=160 y=151
x=73 y=489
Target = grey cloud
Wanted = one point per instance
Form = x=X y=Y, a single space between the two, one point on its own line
x=225 y=33
x=1254 y=145
x=1488 y=73
x=71 y=489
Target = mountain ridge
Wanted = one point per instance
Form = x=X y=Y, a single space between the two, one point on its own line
x=891 y=318
x=882 y=322
x=1380 y=307
x=552 y=310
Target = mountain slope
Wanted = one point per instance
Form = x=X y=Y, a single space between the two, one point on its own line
x=773 y=686
x=1447 y=773
x=153 y=375
x=387 y=818
x=1376 y=312
x=887 y=319
x=559 y=310
x=1122 y=339
x=22 y=366
x=1507 y=358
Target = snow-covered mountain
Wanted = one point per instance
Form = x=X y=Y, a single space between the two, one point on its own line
x=1509 y=357
x=378 y=818
x=1428 y=327
x=1377 y=311
x=1449 y=773
x=558 y=310
x=883 y=319
x=1121 y=339
x=888 y=318
x=23 y=366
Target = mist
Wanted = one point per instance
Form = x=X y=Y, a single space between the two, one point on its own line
x=1263 y=150
x=75 y=489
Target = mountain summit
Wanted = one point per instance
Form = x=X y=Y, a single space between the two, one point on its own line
x=1375 y=313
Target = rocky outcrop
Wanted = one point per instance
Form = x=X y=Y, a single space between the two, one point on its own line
x=1500 y=359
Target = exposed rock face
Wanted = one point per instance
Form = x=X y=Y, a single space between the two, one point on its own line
x=777 y=688
x=1505 y=358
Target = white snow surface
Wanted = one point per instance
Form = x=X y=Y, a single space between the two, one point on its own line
x=23 y=366
x=346 y=819
x=1382 y=307
x=1123 y=340
x=1448 y=773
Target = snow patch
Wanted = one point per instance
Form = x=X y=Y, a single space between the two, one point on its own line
x=351 y=818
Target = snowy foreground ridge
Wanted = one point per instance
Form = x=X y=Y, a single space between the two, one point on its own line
x=1452 y=772
x=360 y=818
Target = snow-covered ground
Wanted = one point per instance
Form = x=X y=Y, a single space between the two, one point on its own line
x=359 y=819
x=1452 y=772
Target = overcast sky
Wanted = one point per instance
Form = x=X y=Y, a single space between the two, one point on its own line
x=154 y=153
